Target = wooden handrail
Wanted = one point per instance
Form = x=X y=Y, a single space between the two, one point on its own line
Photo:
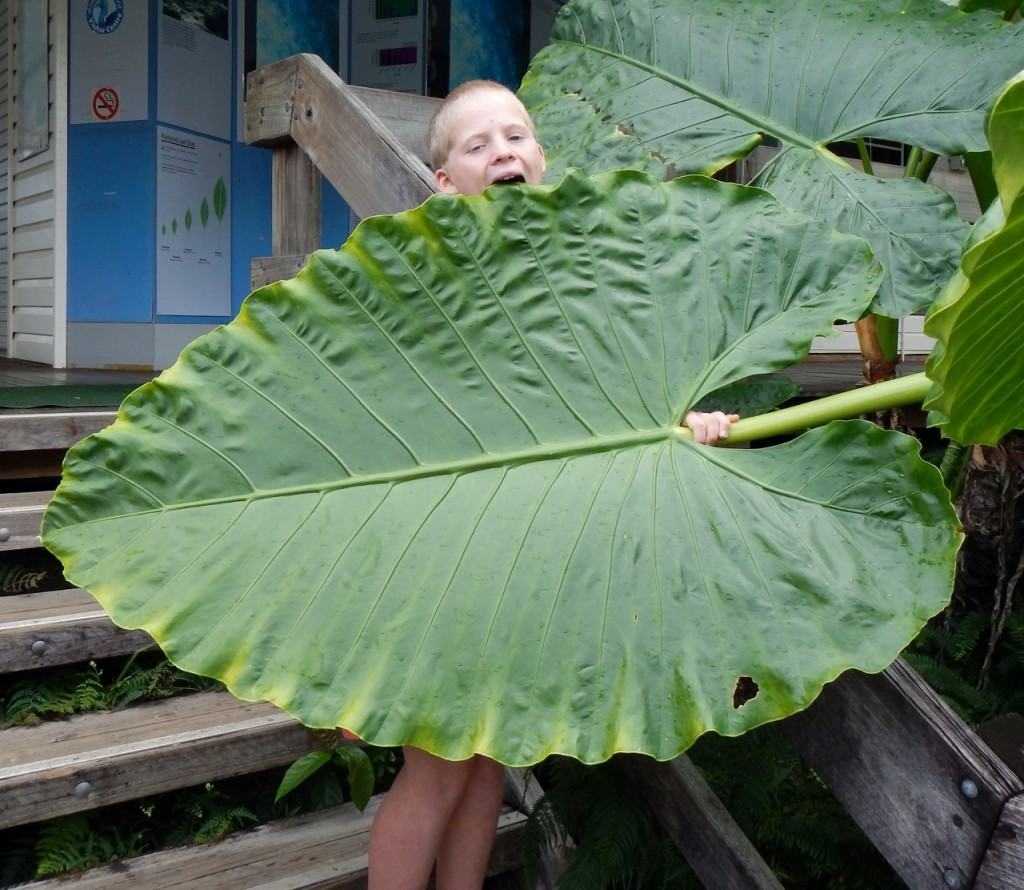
x=369 y=144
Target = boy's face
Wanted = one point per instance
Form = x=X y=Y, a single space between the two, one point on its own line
x=491 y=141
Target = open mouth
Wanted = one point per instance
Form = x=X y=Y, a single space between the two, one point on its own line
x=515 y=177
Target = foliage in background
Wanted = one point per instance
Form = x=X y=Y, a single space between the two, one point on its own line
x=62 y=691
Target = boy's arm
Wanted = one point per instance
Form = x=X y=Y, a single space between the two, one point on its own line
x=709 y=427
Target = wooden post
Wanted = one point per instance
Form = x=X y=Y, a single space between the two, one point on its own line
x=718 y=851
x=296 y=202
x=1003 y=865
x=923 y=787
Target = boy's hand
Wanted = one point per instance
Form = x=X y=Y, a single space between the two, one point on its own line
x=708 y=428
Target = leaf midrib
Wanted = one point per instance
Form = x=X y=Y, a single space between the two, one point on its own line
x=466 y=466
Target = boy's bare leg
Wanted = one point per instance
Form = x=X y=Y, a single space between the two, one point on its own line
x=465 y=847
x=413 y=821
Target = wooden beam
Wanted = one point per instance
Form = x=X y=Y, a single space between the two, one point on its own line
x=269 y=92
x=60 y=627
x=523 y=791
x=270 y=96
x=922 y=786
x=296 y=202
x=697 y=821
x=369 y=166
x=371 y=169
x=404 y=114
x=31 y=431
x=1002 y=867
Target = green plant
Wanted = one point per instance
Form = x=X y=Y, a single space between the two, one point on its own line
x=31 y=699
x=553 y=490
x=356 y=763
x=204 y=815
x=71 y=843
x=543 y=441
x=498 y=487
x=83 y=840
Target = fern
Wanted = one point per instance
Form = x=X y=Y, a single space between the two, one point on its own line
x=216 y=825
x=72 y=843
x=950 y=652
x=159 y=680
x=30 y=700
x=14 y=579
x=25 y=571
x=61 y=692
x=204 y=815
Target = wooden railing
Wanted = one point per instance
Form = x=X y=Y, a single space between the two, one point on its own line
x=369 y=144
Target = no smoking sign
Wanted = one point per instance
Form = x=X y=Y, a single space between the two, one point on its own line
x=105 y=103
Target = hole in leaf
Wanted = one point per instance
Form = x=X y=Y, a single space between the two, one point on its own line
x=745 y=690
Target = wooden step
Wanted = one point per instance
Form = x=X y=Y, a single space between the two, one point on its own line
x=20 y=515
x=60 y=627
x=326 y=849
x=47 y=430
x=91 y=760
x=33 y=443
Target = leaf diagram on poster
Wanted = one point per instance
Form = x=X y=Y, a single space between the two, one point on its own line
x=194 y=226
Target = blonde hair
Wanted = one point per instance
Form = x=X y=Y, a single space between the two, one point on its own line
x=439 y=128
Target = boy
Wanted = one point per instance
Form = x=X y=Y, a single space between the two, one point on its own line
x=441 y=811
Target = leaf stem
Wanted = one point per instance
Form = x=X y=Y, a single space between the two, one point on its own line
x=863 y=400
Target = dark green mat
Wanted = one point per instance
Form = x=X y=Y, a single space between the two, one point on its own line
x=72 y=395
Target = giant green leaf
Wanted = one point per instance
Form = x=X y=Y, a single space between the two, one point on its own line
x=690 y=86
x=434 y=489
x=978 y=362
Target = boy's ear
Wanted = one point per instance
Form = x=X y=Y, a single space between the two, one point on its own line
x=444 y=181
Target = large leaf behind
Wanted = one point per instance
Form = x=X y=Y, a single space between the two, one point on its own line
x=978 y=362
x=434 y=489
x=689 y=86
